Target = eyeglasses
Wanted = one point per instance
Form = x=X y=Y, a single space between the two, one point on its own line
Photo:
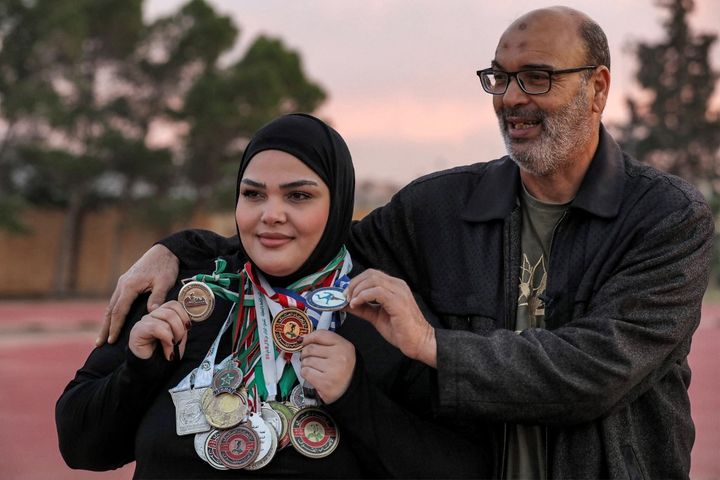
x=532 y=82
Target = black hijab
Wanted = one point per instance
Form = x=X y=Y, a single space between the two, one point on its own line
x=324 y=151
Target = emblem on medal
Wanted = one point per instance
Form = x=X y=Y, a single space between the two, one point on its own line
x=327 y=299
x=197 y=299
x=238 y=447
x=313 y=433
x=227 y=380
x=288 y=327
x=226 y=409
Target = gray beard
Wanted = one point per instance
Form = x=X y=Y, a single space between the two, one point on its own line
x=563 y=132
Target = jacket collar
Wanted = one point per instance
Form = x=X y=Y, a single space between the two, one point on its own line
x=600 y=192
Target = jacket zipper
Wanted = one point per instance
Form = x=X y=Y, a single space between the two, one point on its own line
x=545 y=428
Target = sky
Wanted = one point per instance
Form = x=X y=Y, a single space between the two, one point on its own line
x=400 y=74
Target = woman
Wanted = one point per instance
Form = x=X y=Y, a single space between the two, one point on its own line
x=195 y=389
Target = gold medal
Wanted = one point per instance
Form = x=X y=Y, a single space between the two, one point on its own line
x=288 y=327
x=225 y=410
x=197 y=299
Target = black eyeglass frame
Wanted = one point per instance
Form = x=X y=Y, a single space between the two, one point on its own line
x=510 y=75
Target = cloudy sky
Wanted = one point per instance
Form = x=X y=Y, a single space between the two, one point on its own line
x=400 y=74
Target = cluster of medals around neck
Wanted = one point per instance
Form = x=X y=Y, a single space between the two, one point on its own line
x=231 y=430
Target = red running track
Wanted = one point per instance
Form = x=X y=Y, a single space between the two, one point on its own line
x=42 y=344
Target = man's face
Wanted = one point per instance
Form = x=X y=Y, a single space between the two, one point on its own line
x=544 y=133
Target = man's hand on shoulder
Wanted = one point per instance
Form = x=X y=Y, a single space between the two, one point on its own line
x=156 y=272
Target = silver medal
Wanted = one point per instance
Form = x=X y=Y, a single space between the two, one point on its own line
x=189 y=417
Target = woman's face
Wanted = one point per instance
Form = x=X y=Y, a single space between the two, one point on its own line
x=281 y=211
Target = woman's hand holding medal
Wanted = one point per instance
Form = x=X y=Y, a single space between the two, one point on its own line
x=388 y=303
x=167 y=325
x=327 y=363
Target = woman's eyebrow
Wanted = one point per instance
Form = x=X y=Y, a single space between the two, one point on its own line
x=298 y=183
x=252 y=183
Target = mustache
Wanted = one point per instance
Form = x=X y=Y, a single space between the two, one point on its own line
x=530 y=113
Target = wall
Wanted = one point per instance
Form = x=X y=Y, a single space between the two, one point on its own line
x=28 y=261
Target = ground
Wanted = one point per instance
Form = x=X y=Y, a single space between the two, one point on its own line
x=42 y=344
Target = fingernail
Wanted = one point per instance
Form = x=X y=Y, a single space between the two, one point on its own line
x=300 y=339
x=172 y=356
x=154 y=306
x=188 y=325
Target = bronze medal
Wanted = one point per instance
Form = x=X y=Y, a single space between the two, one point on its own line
x=238 y=447
x=225 y=410
x=313 y=433
x=197 y=299
x=227 y=380
x=288 y=327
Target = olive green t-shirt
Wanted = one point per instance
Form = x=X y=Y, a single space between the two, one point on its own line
x=526 y=443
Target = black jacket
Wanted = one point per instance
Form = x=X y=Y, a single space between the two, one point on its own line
x=117 y=409
x=628 y=268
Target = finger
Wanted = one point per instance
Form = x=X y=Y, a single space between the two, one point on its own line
x=119 y=312
x=172 y=319
x=319 y=365
x=320 y=337
x=104 y=330
x=177 y=307
x=154 y=330
x=365 y=276
x=374 y=293
x=156 y=298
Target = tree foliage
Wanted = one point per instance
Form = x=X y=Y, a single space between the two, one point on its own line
x=672 y=126
x=87 y=87
x=675 y=128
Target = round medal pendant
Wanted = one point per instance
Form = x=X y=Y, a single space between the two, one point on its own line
x=238 y=447
x=285 y=417
x=275 y=419
x=288 y=327
x=212 y=454
x=224 y=410
x=268 y=442
x=313 y=433
x=297 y=397
x=197 y=299
x=327 y=299
x=227 y=380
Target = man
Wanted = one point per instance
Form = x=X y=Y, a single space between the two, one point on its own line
x=568 y=276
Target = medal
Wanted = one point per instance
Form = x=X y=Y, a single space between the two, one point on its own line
x=197 y=299
x=288 y=327
x=327 y=299
x=227 y=380
x=285 y=417
x=225 y=410
x=313 y=433
x=274 y=419
x=189 y=417
x=211 y=453
x=238 y=447
x=268 y=442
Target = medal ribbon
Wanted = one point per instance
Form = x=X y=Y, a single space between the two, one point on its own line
x=203 y=374
x=264 y=367
x=219 y=282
